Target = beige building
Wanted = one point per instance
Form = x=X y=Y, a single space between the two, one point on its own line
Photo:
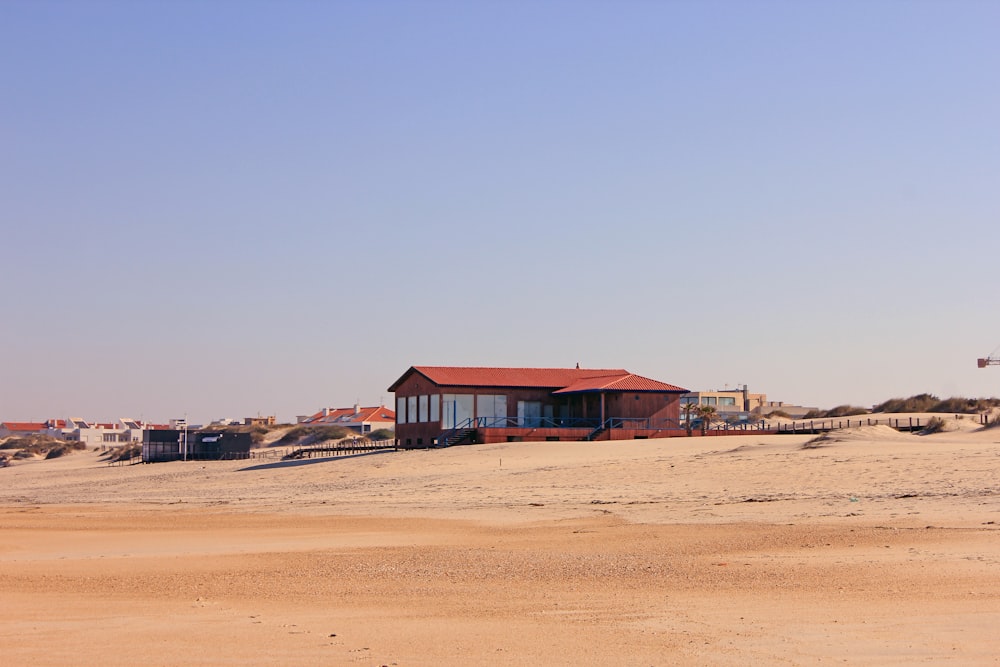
x=728 y=403
x=733 y=404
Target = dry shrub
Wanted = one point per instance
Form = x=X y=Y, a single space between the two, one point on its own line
x=934 y=425
x=325 y=433
x=123 y=453
x=64 y=448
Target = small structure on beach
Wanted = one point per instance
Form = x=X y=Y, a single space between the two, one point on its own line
x=181 y=445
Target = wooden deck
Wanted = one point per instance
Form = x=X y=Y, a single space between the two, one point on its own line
x=339 y=448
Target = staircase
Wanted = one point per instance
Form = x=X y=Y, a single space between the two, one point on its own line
x=455 y=436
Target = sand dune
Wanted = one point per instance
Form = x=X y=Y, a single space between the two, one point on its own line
x=869 y=546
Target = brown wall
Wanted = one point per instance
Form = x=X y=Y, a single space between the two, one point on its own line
x=656 y=407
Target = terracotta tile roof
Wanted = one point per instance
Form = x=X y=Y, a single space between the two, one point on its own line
x=349 y=416
x=23 y=426
x=626 y=382
x=567 y=380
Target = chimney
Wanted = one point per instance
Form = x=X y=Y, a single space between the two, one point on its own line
x=357 y=408
x=326 y=412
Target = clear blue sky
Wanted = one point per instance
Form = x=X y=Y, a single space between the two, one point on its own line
x=227 y=208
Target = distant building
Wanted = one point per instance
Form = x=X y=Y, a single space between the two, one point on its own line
x=78 y=430
x=731 y=405
x=362 y=420
x=259 y=421
x=740 y=405
x=21 y=429
x=793 y=411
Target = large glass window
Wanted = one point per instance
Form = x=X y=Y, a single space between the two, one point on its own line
x=401 y=410
x=491 y=409
x=422 y=408
x=411 y=409
x=727 y=401
x=529 y=413
x=456 y=409
x=435 y=408
x=709 y=400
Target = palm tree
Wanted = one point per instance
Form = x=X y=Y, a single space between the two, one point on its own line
x=707 y=413
x=689 y=410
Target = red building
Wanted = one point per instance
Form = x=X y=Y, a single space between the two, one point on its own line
x=446 y=405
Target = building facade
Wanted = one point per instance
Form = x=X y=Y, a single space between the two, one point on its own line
x=443 y=405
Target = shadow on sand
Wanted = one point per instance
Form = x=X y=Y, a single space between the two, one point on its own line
x=304 y=462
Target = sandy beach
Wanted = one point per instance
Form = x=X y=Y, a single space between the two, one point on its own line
x=869 y=547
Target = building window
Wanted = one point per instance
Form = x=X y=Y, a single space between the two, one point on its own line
x=491 y=409
x=727 y=401
x=456 y=409
x=401 y=410
x=435 y=408
x=709 y=400
x=411 y=409
x=422 y=405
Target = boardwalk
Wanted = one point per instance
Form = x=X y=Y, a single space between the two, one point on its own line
x=339 y=448
x=910 y=424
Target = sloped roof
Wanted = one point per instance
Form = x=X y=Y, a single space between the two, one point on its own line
x=626 y=382
x=23 y=426
x=566 y=380
x=348 y=415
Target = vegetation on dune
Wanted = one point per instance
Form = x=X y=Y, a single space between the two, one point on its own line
x=931 y=403
x=123 y=453
x=382 y=434
x=304 y=434
x=36 y=442
x=777 y=414
x=64 y=448
x=29 y=446
x=916 y=403
x=839 y=411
